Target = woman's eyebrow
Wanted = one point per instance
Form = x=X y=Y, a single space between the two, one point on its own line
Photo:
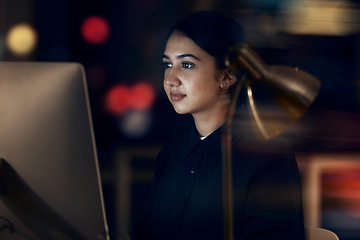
x=182 y=56
x=187 y=55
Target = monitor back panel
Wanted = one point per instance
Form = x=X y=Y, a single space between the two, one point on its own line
x=46 y=137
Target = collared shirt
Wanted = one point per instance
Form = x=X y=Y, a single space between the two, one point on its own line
x=186 y=196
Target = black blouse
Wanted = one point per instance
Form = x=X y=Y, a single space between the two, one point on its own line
x=185 y=201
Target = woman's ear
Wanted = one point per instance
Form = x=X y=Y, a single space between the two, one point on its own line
x=228 y=79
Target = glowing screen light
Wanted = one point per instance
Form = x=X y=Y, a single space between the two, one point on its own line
x=95 y=30
x=121 y=98
x=21 y=39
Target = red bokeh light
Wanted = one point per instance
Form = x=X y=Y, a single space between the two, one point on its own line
x=143 y=96
x=95 y=30
x=117 y=99
x=121 y=98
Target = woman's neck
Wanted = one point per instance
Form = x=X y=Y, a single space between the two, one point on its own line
x=208 y=123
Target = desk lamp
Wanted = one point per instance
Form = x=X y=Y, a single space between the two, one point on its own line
x=288 y=93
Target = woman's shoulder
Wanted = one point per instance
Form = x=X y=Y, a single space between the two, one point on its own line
x=253 y=153
x=249 y=143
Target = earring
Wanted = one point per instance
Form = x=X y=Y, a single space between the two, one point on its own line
x=223 y=84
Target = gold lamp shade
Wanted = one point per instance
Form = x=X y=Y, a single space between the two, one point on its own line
x=278 y=95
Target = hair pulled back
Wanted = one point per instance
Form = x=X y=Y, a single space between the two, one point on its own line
x=213 y=32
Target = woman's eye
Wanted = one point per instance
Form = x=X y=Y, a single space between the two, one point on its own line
x=167 y=65
x=187 y=65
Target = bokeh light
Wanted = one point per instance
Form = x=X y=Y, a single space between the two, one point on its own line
x=95 y=29
x=332 y=18
x=117 y=99
x=135 y=123
x=143 y=96
x=121 y=98
x=21 y=39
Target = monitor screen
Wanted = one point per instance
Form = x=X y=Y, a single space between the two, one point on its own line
x=50 y=186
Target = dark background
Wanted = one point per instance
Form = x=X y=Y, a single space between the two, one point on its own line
x=133 y=52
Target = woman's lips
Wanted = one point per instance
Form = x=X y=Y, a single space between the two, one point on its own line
x=176 y=96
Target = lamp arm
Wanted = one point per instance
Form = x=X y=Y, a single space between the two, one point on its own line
x=227 y=165
x=242 y=55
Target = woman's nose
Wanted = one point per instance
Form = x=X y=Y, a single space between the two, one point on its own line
x=171 y=79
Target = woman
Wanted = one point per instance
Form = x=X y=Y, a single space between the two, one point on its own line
x=186 y=196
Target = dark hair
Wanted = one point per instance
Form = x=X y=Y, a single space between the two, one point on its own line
x=213 y=32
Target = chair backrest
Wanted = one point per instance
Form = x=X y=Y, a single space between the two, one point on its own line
x=314 y=233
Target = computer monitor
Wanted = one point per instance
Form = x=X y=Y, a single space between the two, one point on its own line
x=50 y=185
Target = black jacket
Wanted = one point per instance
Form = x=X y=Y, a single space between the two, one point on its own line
x=186 y=196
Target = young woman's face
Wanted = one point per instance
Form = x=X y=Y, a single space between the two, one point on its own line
x=191 y=79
